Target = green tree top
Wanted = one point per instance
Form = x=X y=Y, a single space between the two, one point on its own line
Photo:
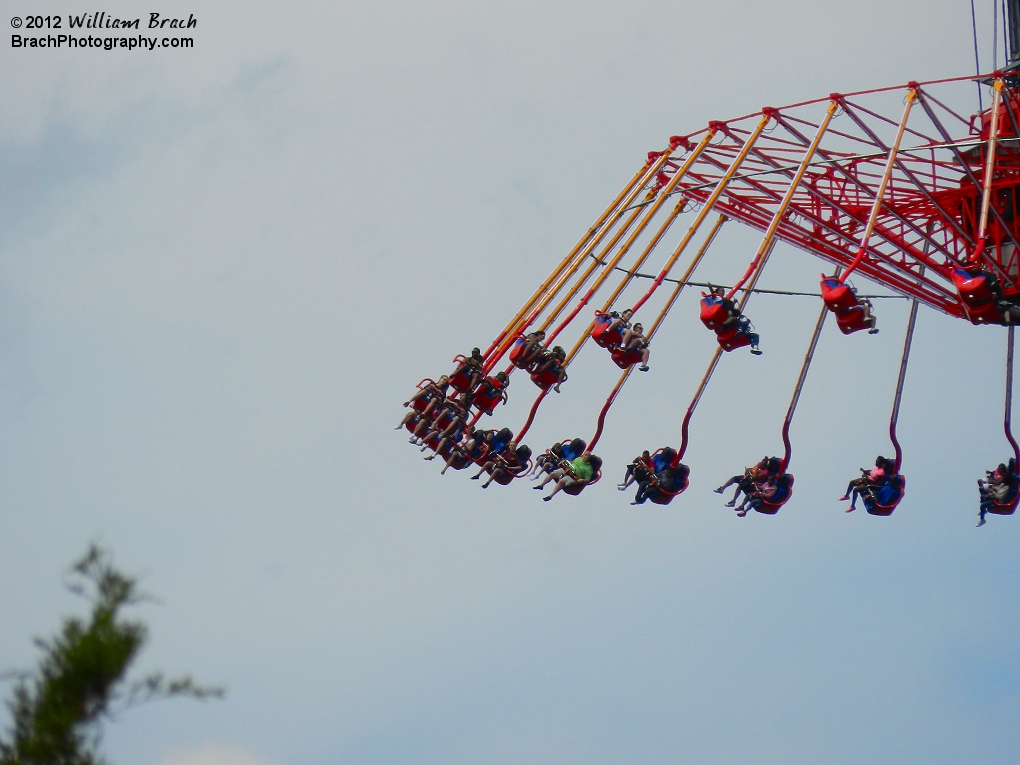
x=56 y=710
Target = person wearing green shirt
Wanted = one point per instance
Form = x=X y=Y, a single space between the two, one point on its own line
x=576 y=472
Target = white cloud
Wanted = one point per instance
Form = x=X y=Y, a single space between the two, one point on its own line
x=212 y=754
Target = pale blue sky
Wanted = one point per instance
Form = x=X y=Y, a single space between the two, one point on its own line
x=222 y=270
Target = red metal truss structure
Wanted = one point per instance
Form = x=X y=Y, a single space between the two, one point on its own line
x=927 y=223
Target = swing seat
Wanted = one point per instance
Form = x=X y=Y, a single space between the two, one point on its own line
x=661 y=497
x=545 y=379
x=521 y=360
x=460 y=381
x=838 y=297
x=733 y=338
x=602 y=335
x=973 y=285
x=421 y=404
x=713 y=312
x=626 y=357
x=1005 y=508
x=487 y=400
x=882 y=500
x=568 y=453
x=576 y=488
x=983 y=313
x=782 y=496
x=506 y=477
x=461 y=460
x=662 y=457
x=852 y=320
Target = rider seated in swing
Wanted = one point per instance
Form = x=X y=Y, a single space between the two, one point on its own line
x=999 y=488
x=471 y=367
x=451 y=434
x=472 y=450
x=576 y=472
x=762 y=491
x=553 y=361
x=559 y=453
x=734 y=318
x=510 y=462
x=637 y=470
x=869 y=478
x=745 y=482
x=767 y=492
x=434 y=393
x=670 y=480
x=491 y=388
x=533 y=349
x=634 y=339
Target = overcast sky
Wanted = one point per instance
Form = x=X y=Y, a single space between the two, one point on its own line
x=222 y=270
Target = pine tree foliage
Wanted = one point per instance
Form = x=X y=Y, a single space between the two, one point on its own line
x=80 y=680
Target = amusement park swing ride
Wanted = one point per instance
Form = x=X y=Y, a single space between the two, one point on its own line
x=924 y=201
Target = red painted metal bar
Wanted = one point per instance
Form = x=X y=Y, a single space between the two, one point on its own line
x=923 y=99
x=986 y=193
x=664 y=273
x=551 y=287
x=712 y=365
x=877 y=207
x=800 y=383
x=638 y=181
x=1007 y=424
x=780 y=212
x=682 y=282
x=899 y=383
x=531 y=415
x=936 y=297
x=649 y=215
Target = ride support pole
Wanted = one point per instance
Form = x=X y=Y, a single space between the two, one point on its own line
x=596 y=232
x=986 y=193
x=876 y=207
x=800 y=383
x=531 y=415
x=780 y=213
x=1007 y=424
x=597 y=260
x=687 y=274
x=623 y=284
x=656 y=324
x=611 y=265
x=715 y=362
x=911 y=322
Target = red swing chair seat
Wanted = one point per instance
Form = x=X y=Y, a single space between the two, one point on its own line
x=460 y=380
x=602 y=335
x=575 y=488
x=1005 y=508
x=973 y=285
x=521 y=360
x=488 y=398
x=505 y=476
x=733 y=338
x=626 y=357
x=838 y=297
x=883 y=500
x=545 y=379
x=713 y=312
x=661 y=497
x=782 y=496
x=853 y=319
